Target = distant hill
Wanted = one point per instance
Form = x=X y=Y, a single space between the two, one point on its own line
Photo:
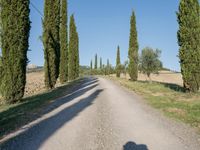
x=31 y=66
x=34 y=68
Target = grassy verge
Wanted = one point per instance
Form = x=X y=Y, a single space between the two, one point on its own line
x=14 y=116
x=168 y=98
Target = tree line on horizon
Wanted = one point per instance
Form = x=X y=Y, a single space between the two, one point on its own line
x=98 y=68
x=60 y=54
x=148 y=62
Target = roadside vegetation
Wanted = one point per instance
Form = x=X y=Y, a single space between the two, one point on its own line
x=169 y=98
x=61 y=60
x=180 y=102
x=61 y=63
x=61 y=57
x=13 y=116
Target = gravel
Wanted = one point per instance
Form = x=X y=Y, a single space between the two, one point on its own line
x=103 y=116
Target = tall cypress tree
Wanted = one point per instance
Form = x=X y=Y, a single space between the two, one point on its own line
x=72 y=49
x=63 y=43
x=133 y=50
x=77 y=56
x=51 y=41
x=108 y=67
x=96 y=62
x=101 y=65
x=14 y=39
x=189 y=42
x=91 y=65
x=118 y=63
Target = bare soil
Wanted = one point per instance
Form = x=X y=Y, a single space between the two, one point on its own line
x=35 y=80
x=163 y=76
x=35 y=83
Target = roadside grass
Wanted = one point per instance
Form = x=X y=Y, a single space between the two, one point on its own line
x=16 y=115
x=169 y=98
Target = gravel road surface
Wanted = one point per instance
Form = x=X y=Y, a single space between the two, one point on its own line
x=101 y=115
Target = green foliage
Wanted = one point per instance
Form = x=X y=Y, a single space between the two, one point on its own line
x=189 y=42
x=84 y=71
x=165 y=97
x=149 y=61
x=133 y=50
x=73 y=50
x=14 y=116
x=77 y=57
x=96 y=62
x=51 y=42
x=1 y=73
x=109 y=69
x=63 y=43
x=124 y=67
x=98 y=71
x=91 y=67
x=101 y=65
x=14 y=38
x=118 y=63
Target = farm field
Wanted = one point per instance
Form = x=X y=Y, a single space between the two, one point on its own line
x=163 y=76
x=35 y=80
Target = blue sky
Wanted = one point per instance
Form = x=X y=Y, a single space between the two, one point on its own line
x=105 y=24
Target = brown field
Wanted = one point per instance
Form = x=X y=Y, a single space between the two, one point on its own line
x=163 y=76
x=35 y=80
x=35 y=83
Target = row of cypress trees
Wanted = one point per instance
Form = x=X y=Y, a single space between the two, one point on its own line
x=98 y=68
x=61 y=56
x=188 y=40
x=132 y=52
x=15 y=29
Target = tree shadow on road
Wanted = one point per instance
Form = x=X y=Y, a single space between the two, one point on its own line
x=35 y=137
x=134 y=146
x=36 y=106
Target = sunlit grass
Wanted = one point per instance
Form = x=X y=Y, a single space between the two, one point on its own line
x=16 y=115
x=169 y=98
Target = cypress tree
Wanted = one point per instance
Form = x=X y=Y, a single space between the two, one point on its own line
x=91 y=67
x=63 y=43
x=189 y=42
x=96 y=62
x=77 y=56
x=14 y=39
x=72 y=49
x=133 y=50
x=101 y=65
x=118 y=63
x=51 y=42
x=108 y=67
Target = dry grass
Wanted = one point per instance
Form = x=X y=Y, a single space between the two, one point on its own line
x=13 y=116
x=163 y=76
x=170 y=98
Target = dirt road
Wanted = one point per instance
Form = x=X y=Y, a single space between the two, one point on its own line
x=100 y=115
